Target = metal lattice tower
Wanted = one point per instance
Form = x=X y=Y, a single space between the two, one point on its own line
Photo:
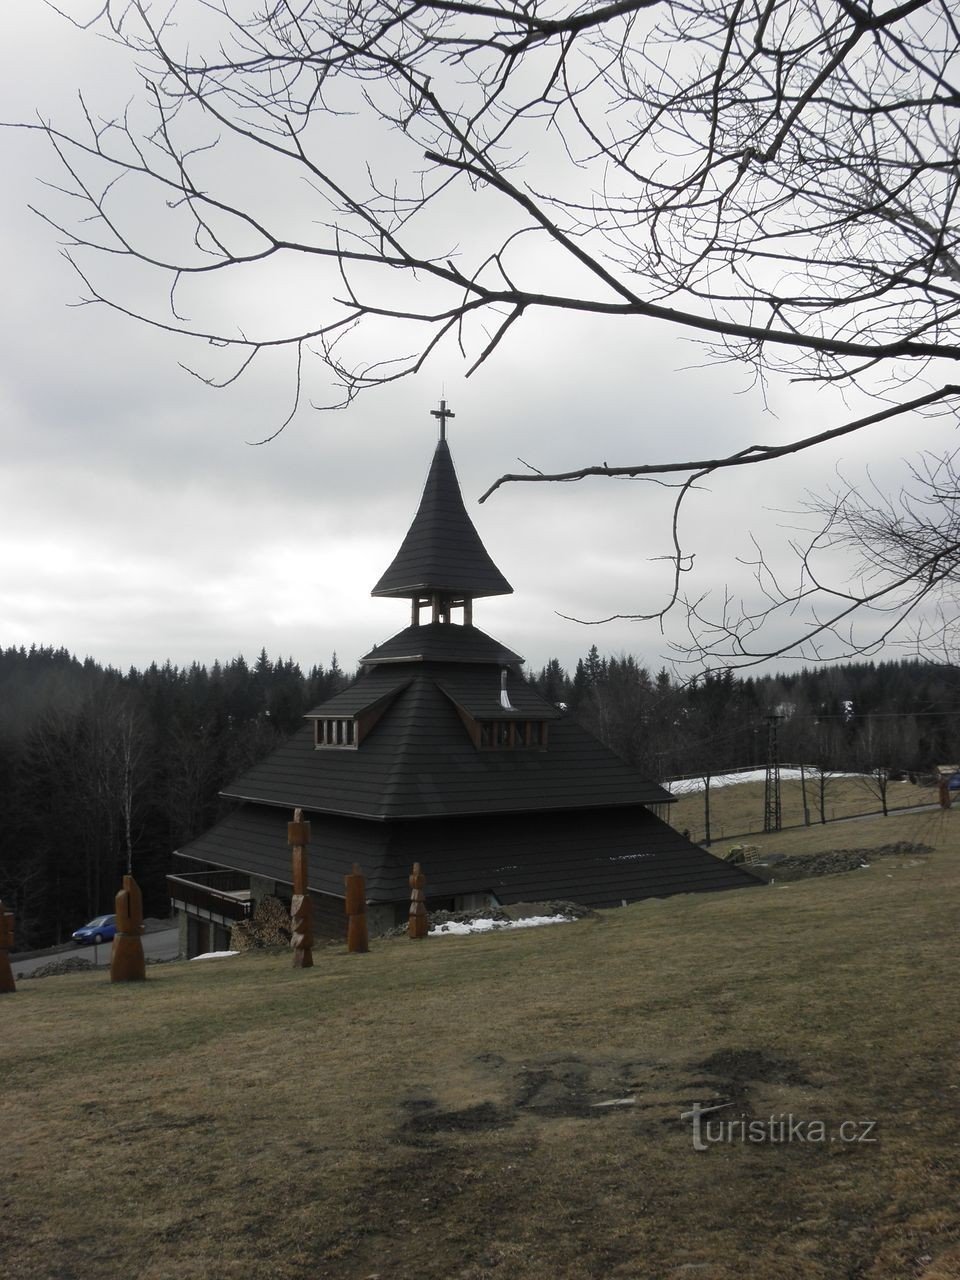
x=772 y=814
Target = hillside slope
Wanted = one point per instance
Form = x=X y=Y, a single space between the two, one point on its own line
x=430 y=1109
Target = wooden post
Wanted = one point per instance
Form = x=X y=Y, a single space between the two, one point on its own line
x=301 y=908
x=7 y=983
x=356 y=904
x=126 y=959
x=418 y=925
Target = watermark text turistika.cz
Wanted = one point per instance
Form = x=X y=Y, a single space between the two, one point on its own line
x=710 y=1129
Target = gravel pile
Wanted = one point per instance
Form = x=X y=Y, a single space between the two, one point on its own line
x=834 y=861
x=69 y=964
x=553 y=907
x=466 y=917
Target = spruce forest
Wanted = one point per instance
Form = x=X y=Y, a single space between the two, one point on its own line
x=101 y=770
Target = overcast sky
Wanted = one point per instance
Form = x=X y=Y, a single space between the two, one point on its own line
x=137 y=523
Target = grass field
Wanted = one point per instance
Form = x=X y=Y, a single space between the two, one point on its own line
x=428 y=1110
x=738 y=810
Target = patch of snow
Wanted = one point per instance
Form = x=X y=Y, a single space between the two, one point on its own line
x=486 y=925
x=685 y=786
x=214 y=955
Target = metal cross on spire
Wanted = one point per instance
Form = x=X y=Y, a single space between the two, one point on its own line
x=443 y=413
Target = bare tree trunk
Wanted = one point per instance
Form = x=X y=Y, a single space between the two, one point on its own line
x=706 y=809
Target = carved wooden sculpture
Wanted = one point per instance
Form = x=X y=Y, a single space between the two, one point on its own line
x=418 y=925
x=126 y=959
x=301 y=908
x=7 y=983
x=356 y=903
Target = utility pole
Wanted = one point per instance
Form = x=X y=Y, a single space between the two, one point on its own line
x=772 y=814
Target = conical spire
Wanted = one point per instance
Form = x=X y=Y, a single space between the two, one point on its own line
x=442 y=553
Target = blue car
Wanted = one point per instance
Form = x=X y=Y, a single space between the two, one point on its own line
x=101 y=929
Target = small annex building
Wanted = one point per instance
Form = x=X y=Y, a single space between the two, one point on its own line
x=439 y=753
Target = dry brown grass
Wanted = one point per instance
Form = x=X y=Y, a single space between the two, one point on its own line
x=425 y=1110
x=738 y=810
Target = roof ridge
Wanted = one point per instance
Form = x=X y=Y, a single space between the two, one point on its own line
x=393 y=789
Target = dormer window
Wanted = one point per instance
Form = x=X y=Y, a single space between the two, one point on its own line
x=508 y=735
x=343 y=722
x=335 y=731
x=511 y=718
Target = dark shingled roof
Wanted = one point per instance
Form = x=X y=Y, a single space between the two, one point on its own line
x=443 y=642
x=595 y=858
x=419 y=761
x=361 y=695
x=478 y=693
x=442 y=550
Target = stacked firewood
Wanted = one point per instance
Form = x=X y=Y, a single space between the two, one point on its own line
x=268 y=927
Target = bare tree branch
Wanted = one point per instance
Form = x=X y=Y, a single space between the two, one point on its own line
x=779 y=178
x=753 y=453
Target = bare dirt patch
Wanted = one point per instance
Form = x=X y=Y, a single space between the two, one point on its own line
x=739 y=1066
x=569 y=1086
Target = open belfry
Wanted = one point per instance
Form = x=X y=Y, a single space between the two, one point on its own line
x=440 y=754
